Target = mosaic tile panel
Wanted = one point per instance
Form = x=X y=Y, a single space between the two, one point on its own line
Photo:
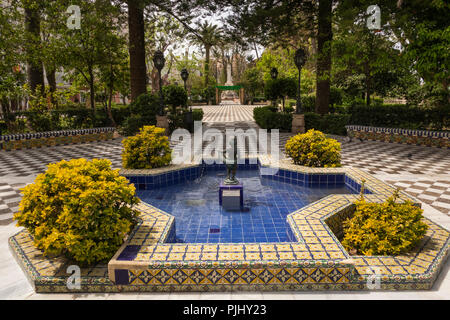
x=54 y=138
x=438 y=139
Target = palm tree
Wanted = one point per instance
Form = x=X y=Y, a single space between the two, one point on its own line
x=207 y=35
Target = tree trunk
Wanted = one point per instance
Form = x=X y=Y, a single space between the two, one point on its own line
x=207 y=49
x=136 y=47
x=35 y=70
x=91 y=89
x=110 y=94
x=50 y=74
x=368 y=82
x=324 y=38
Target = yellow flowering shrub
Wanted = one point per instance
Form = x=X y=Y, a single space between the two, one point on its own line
x=314 y=149
x=79 y=208
x=148 y=149
x=387 y=228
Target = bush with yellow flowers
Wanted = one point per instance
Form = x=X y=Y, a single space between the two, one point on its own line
x=146 y=150
x=79 y=208
x=314 y=149
x=387 y=228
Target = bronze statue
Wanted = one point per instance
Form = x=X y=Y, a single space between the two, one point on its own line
x=231 y=163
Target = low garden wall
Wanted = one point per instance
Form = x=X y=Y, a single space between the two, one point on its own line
x=438 y=139
x=54 y=138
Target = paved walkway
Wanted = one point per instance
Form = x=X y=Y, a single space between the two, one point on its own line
x=422 y=172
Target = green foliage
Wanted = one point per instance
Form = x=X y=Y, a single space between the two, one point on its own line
x=308 y=103
x=175 y=96
x=400 y=116
x=209 y=94
x=327 y=123
x=269 y=118
x=146 y=150
x=280 y=88
x=314 y=149
x=253 y=83
x=197 y=114
x=79 y=208
x=388 y=228
x=143 y=112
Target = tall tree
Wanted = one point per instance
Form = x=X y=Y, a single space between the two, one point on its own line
x=136 y=30
x=323 y=70
x=207 y=35
x=35 y=68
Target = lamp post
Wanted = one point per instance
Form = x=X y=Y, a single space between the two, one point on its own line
x=159 y=61
x=274 y=73
x=300 y=58
x=188 y=118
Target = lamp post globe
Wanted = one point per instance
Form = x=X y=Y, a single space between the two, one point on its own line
x=299 y=59
x=274 y=73
x=184 y=76
x=159 y=61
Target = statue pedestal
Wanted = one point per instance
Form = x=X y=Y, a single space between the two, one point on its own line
x=298 y=123
x=231 y=196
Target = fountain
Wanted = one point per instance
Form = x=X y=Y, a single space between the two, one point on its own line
x=231 y=191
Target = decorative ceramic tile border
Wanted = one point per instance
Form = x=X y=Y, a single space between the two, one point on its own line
x=54 y=138
x=439 y=139
x=313 y=260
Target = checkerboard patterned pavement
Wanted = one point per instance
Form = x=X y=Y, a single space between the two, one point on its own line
x=427 y=169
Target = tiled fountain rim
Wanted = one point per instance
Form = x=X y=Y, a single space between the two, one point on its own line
x=48 y=275
x=380 y=191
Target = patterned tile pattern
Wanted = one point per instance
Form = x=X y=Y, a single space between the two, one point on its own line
x=404 y=136
x=314 y=260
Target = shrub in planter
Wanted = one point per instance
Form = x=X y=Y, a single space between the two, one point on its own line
x=387 y=228
x=148 y=149
x=314 y=149
x=79 y=208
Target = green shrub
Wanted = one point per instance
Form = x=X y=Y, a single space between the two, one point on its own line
x=79 y=208
x=308 y=103
x=327 y=123
x=289 y=109
x=209 y=95
x=314 y=149
x=197 y=114
x=175 y=96
x=387 y=228
x=146 y=150
x=280 y=88
x=143 y=111
x=267 y=118
x=400 y=116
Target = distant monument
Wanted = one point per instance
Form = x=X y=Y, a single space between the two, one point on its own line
x=229 y=96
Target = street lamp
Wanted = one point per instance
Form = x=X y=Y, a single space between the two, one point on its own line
x=184 y=76
x=159 y=61
x=299 y=59
x=274 y=73
x=188 y=115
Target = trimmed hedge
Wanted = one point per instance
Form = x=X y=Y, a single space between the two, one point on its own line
x=267 y=118
x=328 y=123
x=400 y=116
